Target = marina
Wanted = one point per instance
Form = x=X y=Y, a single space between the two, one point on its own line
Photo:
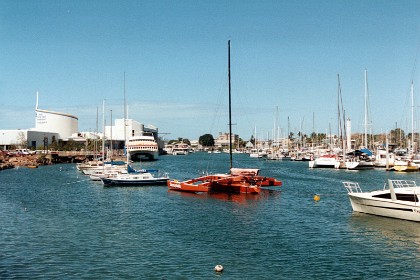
x=58 y=222
x=135 y=145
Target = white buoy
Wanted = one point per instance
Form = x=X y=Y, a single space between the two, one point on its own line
x=218 y=268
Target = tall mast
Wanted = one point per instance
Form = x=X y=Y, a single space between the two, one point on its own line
x=112 y=152
x=412 y=117
x=276 y=129
x=96 y=134
x=339 y=134
x=103 y=130
x=125 y=116
x=230 y=111
x=366 y=111
x=288 y=133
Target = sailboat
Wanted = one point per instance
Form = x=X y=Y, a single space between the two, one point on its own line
x=406 y=164
x=330 y=159
x=239 y=180
x=133 y=177
x=361 y=159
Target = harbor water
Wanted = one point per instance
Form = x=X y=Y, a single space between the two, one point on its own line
x=57 y=224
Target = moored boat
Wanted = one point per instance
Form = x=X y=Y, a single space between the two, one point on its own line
x=138 y=178
x=359 y=165
x=384 y=158
x=360 y=160
x=400 y=200
x=239 y=180
x=325 y=161
x=135 y=177
x=405 y=165
x=142 y=147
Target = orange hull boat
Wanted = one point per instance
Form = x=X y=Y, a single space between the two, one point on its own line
x=239 y=181
x=201 y=184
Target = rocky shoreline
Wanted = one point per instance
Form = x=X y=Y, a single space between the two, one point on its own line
x=8 y=162
x=33 y=161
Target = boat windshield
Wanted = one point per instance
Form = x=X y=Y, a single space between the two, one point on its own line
x=400 y=196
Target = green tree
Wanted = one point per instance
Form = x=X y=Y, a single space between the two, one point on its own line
x=398 y=136
x=206 y=140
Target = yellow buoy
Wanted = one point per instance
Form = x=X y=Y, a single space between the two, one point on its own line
x=317 y=197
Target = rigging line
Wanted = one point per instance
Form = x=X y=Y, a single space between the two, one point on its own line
x=415 y=59
x=413 y=71
x=217 y=112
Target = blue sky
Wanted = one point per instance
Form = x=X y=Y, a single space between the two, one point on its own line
x=174 y=56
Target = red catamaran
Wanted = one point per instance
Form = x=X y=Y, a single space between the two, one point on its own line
x=239 y=180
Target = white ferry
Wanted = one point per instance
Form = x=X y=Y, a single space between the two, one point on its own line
x=181 y=149
x=142 y=147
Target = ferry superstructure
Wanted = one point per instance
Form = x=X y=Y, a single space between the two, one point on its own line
x=142 y=147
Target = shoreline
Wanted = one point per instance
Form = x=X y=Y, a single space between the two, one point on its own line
x=9 y=162
x=34 y=161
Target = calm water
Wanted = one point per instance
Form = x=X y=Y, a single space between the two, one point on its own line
x=56 y=224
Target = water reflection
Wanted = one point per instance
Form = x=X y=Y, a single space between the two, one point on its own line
x=241 y=198
x=397 y=233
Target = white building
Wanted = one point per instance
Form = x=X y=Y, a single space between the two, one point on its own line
x=132 y=128
x=49 y=127
x=64 y=125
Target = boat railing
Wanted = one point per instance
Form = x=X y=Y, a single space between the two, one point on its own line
x=403 y=184
x=352 y=187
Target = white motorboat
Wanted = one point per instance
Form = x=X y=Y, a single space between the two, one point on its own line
x=399 y=199
x=325 y=161
x=181 y=149
x=384 y=159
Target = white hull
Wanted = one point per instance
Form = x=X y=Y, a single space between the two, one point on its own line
x=405 y=211
x=381 y=159
x=401 y=200
x=135 y=179
x=180 y=153
x=324 y=163
x=359 y=165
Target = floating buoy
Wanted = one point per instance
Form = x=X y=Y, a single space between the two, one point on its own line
x=317 y=197
x=218 y=268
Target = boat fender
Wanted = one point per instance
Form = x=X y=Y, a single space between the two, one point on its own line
x=218 y=268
